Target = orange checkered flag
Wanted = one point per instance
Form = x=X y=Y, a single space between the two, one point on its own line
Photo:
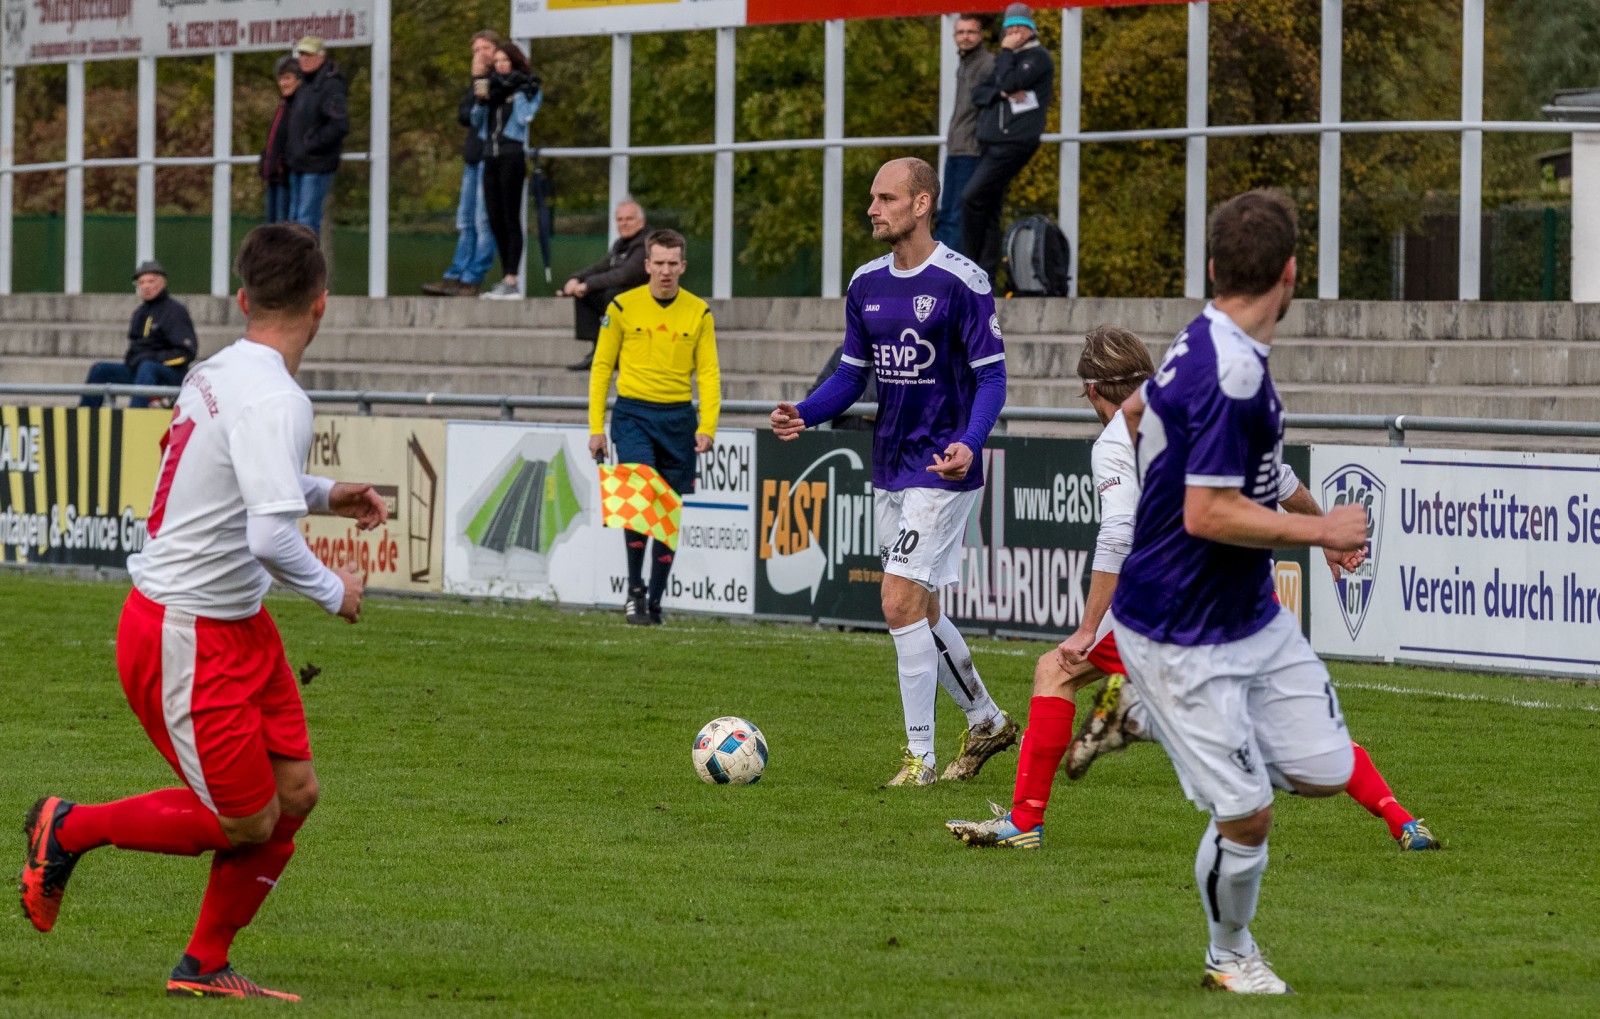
x=635 y=497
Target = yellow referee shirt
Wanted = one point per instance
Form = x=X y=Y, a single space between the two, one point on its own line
x=654 y=351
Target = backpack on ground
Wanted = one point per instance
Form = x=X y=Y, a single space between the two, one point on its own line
x=1038 y=258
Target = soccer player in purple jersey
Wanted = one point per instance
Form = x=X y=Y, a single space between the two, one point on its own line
x=1232 y=689
x=922 y=320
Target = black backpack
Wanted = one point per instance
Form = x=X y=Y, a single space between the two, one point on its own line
x=1038 y=259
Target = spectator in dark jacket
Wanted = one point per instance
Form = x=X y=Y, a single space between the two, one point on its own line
x=161 y=341
x=594 y=287
x=319 y=118
x=1012 y=103
x=506 y=104
x=961 y=143
x=274 y=158
x=475 y=241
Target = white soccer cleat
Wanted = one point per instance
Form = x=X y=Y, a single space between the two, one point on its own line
x=976 y=748
x=1243 y=974
x=1107 y=729
x=913 y=771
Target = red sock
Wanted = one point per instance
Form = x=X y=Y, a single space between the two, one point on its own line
x=1368 y=788
x=171 y=821
x=240 y=881
x=1044 y=743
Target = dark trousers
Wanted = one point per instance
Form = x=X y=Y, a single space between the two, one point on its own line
x=278 y=207
x=148 y=373
x=588 y=310
x=947 y=225
x=985 y=194
x=503 y=177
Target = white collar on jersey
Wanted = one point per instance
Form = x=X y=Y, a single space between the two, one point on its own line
x=938 y=252
x=1221 y=319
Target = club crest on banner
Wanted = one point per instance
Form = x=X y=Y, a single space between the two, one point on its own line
x=923 y=306
x=1354 y=485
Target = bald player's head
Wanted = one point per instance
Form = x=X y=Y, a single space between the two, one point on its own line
x=904 y=194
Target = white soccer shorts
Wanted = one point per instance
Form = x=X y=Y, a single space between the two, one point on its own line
x=920 y=532
x=1228 y=714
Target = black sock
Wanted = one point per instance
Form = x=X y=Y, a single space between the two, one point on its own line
x=636 y=543
x=660 y=566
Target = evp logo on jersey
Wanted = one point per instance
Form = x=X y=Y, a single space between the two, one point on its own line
x=902 y=363
x=1354 y=485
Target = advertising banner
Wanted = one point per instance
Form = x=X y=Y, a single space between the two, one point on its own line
x=523 y=520
x=56 y=31
x=76 y=484
x=538 y=18
x=404 y=460
x=1476 y=558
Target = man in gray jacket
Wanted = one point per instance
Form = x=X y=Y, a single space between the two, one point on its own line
x=594 y=287
x=961 y=144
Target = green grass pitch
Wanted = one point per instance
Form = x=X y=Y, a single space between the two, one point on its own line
x=510 y=826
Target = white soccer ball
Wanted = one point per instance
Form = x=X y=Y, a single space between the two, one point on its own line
x=729 y=751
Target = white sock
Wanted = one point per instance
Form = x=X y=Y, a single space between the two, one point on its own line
x=960 y=679
x=1229 y=878
x=919 y=670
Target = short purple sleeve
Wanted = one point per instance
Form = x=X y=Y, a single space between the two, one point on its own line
x=1222 y=419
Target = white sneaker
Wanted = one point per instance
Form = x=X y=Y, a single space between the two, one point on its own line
x=1243 y=974
x=502 y=291
x=913 y=771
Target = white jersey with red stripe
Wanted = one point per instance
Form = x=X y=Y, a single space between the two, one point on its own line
x=238 y=442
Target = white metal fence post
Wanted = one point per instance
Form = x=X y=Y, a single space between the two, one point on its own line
x=221 y=174
x=8 y=140
x=722 y=186
x=1194 y=207
x=949 y=62
x=1329 y=190
x=378 y=156
x=73 y=269
x=1071 y=120
x=621 y=118
x=832 y=158
x=522 y=203
x=144 y=220
x=1471 y=257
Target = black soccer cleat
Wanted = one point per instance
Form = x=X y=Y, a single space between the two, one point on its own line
x=637 y=612
x=187 y=982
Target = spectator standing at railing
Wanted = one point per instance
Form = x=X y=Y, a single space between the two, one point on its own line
x=274 y=158
x=961 y=142
x=319 y=119
x=475 y=244
x=1012 y=103
x=161 y=340
x=506 y=103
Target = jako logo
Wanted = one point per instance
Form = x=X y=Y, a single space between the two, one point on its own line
x=903 y=362
x=1354 y=485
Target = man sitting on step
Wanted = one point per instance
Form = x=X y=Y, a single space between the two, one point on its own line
x=161 y=340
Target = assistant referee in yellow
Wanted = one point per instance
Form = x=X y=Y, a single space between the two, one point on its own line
x=656 y=337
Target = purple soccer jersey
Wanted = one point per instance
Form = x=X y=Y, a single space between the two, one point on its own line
x=1212 y=419
x=931 y=336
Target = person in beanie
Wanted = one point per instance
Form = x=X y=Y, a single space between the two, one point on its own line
x=319 y=119
x=161 y=341
x=1012 y=103
x=274 y=158
x=961 y=143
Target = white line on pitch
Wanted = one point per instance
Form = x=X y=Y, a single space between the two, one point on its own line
x=1456 y=695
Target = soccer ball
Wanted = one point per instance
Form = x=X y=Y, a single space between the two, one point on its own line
x=729 y=751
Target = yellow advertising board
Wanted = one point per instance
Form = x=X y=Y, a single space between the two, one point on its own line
x=403 y=458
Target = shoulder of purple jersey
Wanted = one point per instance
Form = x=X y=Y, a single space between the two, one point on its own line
x=965 y=270
x=876 y=265
x=1240 y=372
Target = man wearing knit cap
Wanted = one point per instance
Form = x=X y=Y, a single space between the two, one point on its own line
x=1012 y=102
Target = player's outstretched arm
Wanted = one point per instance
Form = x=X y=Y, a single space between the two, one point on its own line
x=1226 y=515
x=787 y=422
x=359 y=502
x=1300 y=501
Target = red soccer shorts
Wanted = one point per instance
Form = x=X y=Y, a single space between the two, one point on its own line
x=216 y=697
x=1104 y=656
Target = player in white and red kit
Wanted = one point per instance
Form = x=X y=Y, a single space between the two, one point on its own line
x=201 y=662
x=1114 y=363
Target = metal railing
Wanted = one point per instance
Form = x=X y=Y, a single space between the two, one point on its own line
x=365 y=400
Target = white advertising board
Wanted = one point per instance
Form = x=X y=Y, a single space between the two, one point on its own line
x=522 y=520
x=55 y=31
x=540 y=18
x=1483 y=559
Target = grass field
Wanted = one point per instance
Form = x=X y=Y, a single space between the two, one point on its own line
x=509 y=826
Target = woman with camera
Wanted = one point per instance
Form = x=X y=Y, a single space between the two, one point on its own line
x=507 y=100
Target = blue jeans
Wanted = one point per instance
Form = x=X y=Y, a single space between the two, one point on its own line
x=306 y=194
x=278 y=210
x=957 y=171
x=475 y=249
x=149 y=373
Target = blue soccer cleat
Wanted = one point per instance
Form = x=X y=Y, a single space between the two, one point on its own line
x=998 y=832
x=1415 y=836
